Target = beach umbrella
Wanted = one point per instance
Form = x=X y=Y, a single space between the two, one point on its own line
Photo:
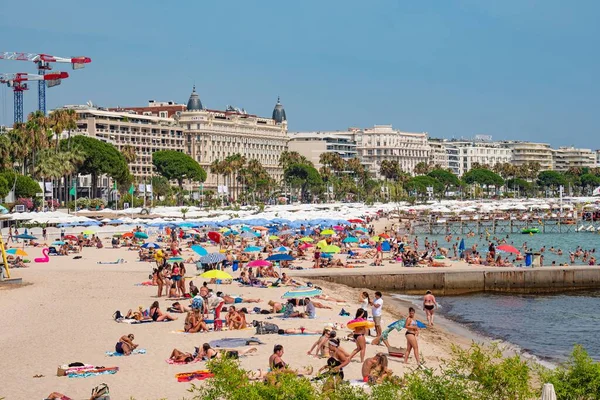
x=327 y=255
x=150 y=245
x=338 y=228
x=375 y=238
x=25 y=237
x=259 y=263
x=201 y=251
x=175 y=259
x=3 y=210
x=223 y=229
x=384 y=235
x=214 y=236
x=461 y=246
x=273 y=237
x=548 y=392
x=141 y=235
x=356 y=221
x=327 y=232
x=58 y=243
x=306 y=246
x=280 y=257
x=253 y=249
x=508 y=249
x=212 y=258
x=286 y=232
x=70 y=237
x=301 y=293
x=17 y=252
x=88 y=232
x=331 y=249
x=128 y=235
x=282 y=249
x=248 y=235
x=260 y=228
x=307 y=239
x=350 y=239
x=322 y=244
x=361 y=229
x=216 y=274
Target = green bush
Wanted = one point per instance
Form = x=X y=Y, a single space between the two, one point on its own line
x=576 y=379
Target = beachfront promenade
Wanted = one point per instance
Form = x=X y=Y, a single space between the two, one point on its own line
x=460 y=278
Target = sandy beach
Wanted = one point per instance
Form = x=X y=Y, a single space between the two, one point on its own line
x=63 y=314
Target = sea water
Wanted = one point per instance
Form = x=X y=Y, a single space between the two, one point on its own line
x=547 y=326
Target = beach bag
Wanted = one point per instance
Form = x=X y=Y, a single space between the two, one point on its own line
x=266 y=328
x=100 y=392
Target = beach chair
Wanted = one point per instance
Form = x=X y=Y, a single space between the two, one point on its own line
x=52 y=251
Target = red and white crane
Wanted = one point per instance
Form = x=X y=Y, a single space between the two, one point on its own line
x=43 y=62
x=17 y=82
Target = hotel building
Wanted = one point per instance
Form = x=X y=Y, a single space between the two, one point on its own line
x=527 y=152
x=312 y=144
x=571 y=157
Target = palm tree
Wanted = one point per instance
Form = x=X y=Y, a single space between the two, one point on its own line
x=129 y=153
x=38 y=128
x=287 y=158
x=215 y=169
x=421 y=168
x=6 y=155
x=21 y=144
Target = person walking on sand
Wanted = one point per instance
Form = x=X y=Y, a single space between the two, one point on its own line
x=412 y=331
x=429 y=306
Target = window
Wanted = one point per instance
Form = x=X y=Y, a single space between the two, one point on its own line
x=163 y=114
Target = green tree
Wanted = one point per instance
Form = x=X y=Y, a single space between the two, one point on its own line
x=419 y=185
x=178 y=166
x=445 y=177
x=421 y=168
x=551 y=179
x=590 y=181
x=483 y=177
x=390 y=170
x=304 y=177
x=4 y=187
x=518 y=184
x=26 y=187
x=161 y=186
x=287 y=158
x=99 y=158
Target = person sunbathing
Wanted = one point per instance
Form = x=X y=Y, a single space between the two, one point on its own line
x=182 y=357
x=208 y=353
x=179 y=308
x=301 y=302
x=157 y=315
x=235 y=319
x=275 y=306
x=125 y=345
x=194 y=322
x=235 y=300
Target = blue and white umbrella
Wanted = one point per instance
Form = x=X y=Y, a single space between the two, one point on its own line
x=201 y=251
x=249 y=235
x=282 y=249
x=301 y=293
x=253 y=249
x=280 y=257
x=150 y=246
x=212 y=258
x=58 y=243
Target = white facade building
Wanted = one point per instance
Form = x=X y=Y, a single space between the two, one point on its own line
x=212 y=135
x=439 y=156
x=312 y=144
x=465 y=153
x=382 y=142
x=527 y=152
x=571 y=157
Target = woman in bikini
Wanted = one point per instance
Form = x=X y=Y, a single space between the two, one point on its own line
x=412 y=331
x=157 y=315
x=338 y=359
x=181 y=357
x=125 y=345
x=208 y=353
x=429 y=305
x=321 y=345
x=359 y=337
x=194 y=322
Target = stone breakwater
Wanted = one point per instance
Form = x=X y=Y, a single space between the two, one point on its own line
x=449 y=282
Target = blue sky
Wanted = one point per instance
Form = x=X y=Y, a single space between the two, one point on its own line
x=513 y=69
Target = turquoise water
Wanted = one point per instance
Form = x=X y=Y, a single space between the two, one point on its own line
x=565 y=241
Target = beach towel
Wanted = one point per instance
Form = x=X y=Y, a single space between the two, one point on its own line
x=173 y=362
x=119 y=261
x=300 y=334
x=134 y=352
x=234 y=342
x=134 y=321
x=85 y=373
x=194 y=375
x=146 y=283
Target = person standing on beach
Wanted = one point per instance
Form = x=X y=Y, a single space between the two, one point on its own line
x=10 y=235
x=412 y=331
x=377 y=306
x=429 y=305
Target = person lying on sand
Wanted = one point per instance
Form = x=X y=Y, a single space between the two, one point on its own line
x=234 y=300
x=182 y=357
x=275 y=306
x=179 y=308
x=137 y=315
x=157 y=315
x=208 y=353
x=125 y=345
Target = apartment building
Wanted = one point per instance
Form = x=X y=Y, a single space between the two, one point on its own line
x=571 y=157
x=312 y=144
x=527 y=152
x=439 y=156
x=465 y=153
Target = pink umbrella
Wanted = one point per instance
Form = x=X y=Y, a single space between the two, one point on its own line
x=508 y=248
x=306 y=246
x=338 y=228
x=259 y=263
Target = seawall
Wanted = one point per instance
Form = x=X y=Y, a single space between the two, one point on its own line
x=453 y=282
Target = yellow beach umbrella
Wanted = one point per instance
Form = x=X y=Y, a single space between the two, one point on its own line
x=321 y=244
x=328 y=232
x=307 y=239
x=223 y=229
x=375 y=238
x=89 y=232
x=17 y=252
x=273 y=237
x=331 y=249
x=216 y=274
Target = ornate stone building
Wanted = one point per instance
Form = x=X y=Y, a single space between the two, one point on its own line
x=214 y=135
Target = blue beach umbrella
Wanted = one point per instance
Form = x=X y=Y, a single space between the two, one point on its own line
x=282 y=249
x=201 y=251
x=301 y=293
x=212 y=258
x=461 y=246
x=141 y=235
x=253 y=249
x=175 y=259
x=280 y=257
x=150 y=245
x=25 y=237
x=350 y=239
x=58 y=243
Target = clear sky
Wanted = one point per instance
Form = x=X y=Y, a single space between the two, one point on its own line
x=513 y=69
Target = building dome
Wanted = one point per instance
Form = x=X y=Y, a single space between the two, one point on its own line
x=279 y=112
x=194 y=103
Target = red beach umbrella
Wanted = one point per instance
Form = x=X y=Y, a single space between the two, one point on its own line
x=384 y=235
x=128 y=235
x=214 y=236
x=508 y=249
x=70 y=237
x=356 y=221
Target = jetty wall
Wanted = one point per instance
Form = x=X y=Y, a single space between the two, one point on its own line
x=540 y=280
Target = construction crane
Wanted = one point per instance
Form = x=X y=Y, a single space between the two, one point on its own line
x=16 y=81
x=43 y=63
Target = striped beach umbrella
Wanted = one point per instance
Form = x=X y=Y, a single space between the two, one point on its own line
x=150 y=245
x=212 y=258
x=301 y=293
x=17 y=252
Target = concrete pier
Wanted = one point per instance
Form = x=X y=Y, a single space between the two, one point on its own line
x=453 y=281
